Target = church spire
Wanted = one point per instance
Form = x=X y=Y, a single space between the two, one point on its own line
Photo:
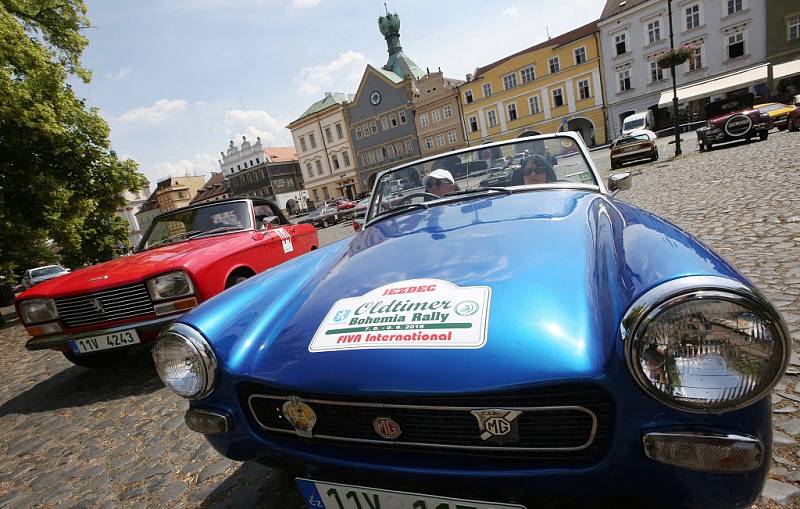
x=398 y=62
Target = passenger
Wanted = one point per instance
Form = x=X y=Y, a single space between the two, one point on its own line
x=534 y=170
x=439 y=182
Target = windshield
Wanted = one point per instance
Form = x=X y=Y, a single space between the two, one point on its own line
x=554 y=159
x=633 y=124
x=46 y=271
x=196 y=222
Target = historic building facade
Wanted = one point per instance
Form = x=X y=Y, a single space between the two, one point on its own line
x=322 y=142
x=728 y=59
x=552 y=86
x=176 y=192
x=380 y=117
x=783 y=45
x=212 y=190
x=437 y=114
x=133 y=203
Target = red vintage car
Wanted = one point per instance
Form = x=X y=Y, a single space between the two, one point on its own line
x=187 y=256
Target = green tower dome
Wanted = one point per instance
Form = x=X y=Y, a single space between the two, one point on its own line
x=398 y=62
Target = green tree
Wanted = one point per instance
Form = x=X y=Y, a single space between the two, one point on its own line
x=60 y=182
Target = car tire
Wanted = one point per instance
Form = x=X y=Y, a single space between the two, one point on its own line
x=237 y=277
x=790 y=125
x=708 y=147
x=614 y=165
x=97 y=360
x=655 y=156
x=325 y=223
x=763 y=135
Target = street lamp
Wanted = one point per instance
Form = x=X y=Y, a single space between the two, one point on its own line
x=676 y=128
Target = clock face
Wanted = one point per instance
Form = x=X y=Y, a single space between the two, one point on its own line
x=375 y=97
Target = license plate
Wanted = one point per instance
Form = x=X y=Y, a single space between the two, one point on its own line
x=322 y=495
x=105 y=341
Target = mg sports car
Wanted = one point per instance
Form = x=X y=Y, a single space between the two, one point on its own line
x=535 y=344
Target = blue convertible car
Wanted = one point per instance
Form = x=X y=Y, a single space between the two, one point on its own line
x=525 y=342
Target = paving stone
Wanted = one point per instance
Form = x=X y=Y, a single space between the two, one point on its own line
x=779 y=491
x=173 y=491
x=776 y=399
x=791 y=427
x=793 y=476
x=785 y=410
x=783 y=461
x=782 y=438
x=214 y=469
x=778 y=471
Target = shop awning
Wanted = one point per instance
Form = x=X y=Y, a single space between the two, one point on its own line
x=786 y=69
x=719 y=85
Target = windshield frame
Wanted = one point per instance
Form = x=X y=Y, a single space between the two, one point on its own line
x=600 y=187
x=141 y=246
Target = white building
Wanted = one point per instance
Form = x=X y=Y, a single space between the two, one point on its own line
x=729 y=35
x=133 y=203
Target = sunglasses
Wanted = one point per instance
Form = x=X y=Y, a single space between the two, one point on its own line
x=538 y=170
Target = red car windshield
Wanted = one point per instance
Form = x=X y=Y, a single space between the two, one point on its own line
x=196 y=222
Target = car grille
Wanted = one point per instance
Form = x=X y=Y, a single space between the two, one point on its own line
x=569 y=421
x=115 y=304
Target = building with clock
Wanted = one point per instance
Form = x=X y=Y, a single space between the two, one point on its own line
x=380 y=117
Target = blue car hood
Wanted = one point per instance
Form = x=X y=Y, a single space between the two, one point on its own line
x=562 y=265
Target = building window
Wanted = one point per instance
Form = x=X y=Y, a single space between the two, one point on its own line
x=468 y=96
x=316 y=195
x=359 y=134
x=364 y=160
x=440 y=140
x=385 y=123
x=238 y=167
x=512 y=111
x=339 y=132
x=303 y=144
x=424 y=120
x=584 y=92
x=473 y=124
x=624 y=80
x=695 y=61
x=621 y=43
x=373 y=126
x=487 y=89
x=371 y=157
x=656 y=72
x=393 y=120
x=429 y=143
x=491 y=117
x=312 y=141
x=555 y=65
x=408 y=146
x=257 y=161
x=399 y=149
x=692 y=16
x=436 y=115
x=734 y=6
x=528 y=74
x=451 y=137
x=390 y=150
x=325 y=193
x=533 y=104
x=328 y=135
x=319 y=167
x=346 y=159
x=447 y=111
x=558 y=98
x=580 y=55
x=793 y=28
x=510 y=81
x=654 y=31
x=402 y=116
x=309 y=170
x=735 y=45
x=335 y=161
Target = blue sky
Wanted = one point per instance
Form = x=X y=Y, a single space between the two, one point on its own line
x=178 y=79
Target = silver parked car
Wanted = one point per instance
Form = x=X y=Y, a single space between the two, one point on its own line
x=35 y=276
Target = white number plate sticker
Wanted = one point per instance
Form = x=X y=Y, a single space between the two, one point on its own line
x=105 y=342
x=322 y=495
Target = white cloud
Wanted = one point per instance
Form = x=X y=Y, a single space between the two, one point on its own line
x=255 y=123
x=511 y=11
x=304 y=4
x=120 y=75
x=157 y=112
x=342 y=74
x=201 y=163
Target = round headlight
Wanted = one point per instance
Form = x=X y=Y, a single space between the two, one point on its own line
x=709 y=350
x=185 y=361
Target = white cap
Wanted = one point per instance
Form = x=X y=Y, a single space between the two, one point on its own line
x=438 y=174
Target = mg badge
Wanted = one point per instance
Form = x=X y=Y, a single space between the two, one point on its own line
x=300 y=416
x=97 y=305
x=386 y=428
x=498 y=425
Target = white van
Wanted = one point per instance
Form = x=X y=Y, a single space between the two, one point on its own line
x=641 y=120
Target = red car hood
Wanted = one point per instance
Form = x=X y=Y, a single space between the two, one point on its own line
x=134 y=268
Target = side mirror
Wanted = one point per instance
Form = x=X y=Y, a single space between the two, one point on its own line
x=358 y=220
x=619 y=182
x=270 y=222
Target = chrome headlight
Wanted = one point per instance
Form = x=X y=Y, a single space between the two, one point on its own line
x=37 y=311
x=185 y=361
x=170 y=286
x=705 y=344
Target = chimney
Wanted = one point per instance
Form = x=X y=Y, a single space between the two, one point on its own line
x=469 y=77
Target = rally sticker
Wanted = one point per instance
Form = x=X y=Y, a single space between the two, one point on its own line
x=417 y=313
x=286 y=240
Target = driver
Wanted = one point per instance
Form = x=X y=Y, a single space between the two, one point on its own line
x=535 y=169
x=439 y=182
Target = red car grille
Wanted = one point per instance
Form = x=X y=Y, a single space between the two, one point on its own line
x=115 y=304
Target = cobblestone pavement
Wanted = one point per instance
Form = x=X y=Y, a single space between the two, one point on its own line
x=78 y=438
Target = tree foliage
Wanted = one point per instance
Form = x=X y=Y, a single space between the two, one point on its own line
x=60 y=182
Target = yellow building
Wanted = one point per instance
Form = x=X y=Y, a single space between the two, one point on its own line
x=552 y=86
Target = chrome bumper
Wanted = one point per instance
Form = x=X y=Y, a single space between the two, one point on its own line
x=62 y=340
